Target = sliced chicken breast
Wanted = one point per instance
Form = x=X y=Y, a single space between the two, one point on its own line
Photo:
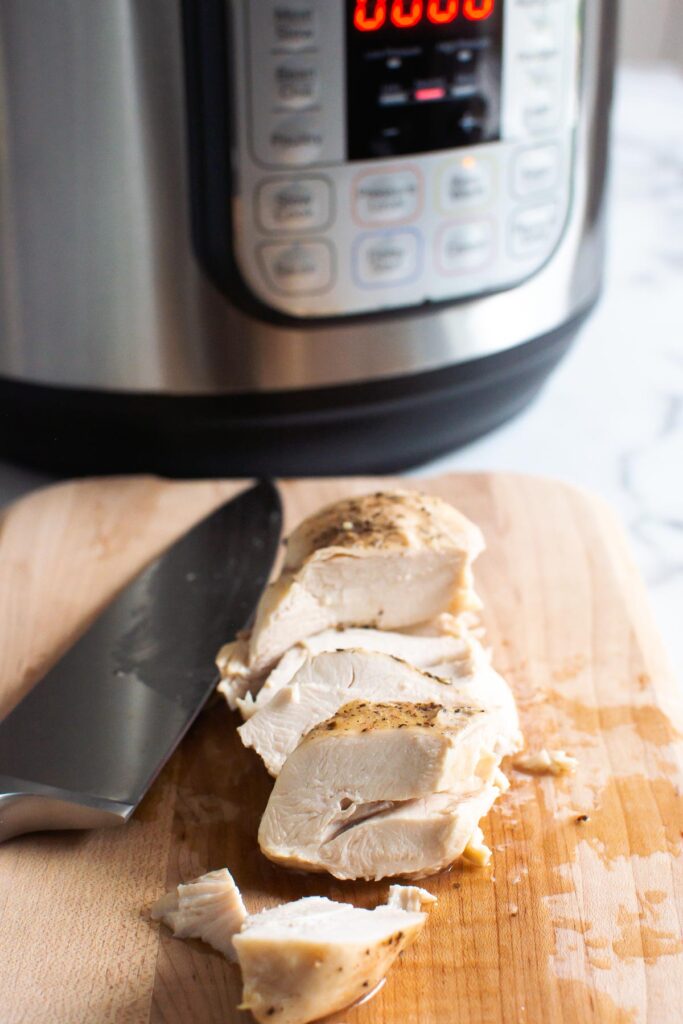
x=413 y=839
x=383 y=789
x=209 y=908
x=304 y=960
x=386 y=560
x=328 y=681
x=416 y=648
x=420 y=651
x=239 y=684
x=442 y=640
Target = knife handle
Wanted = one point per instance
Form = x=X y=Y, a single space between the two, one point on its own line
x=26 y=808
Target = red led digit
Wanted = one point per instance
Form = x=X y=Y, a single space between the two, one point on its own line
x=477 y=10
x=406 y=19
x=365 y=22
x=440 y=12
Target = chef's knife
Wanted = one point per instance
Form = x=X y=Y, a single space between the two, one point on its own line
x=83 y=747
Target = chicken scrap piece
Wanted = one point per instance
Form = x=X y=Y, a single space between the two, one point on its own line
x=208 y=908
x=302 y=960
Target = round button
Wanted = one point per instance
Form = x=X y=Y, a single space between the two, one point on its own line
x=541 y=107
x=467 y=181
x=536 y=170
x=540 y=31
x=464 y=246
x=294 y=26
x=386 y=259
x=386 y=198
x=540 y=42
x=296 y=141
x=297 y=84
x=532 y=229
x=301 y=205
x=299 y=269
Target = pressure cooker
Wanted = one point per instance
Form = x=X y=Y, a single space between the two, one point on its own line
x=291 y=236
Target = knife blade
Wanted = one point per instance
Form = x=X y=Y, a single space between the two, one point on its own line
x=83 y=747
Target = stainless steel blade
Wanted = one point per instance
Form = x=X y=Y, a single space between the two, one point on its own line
x=84 y=746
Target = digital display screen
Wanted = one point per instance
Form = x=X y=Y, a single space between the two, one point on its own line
x=422 y=75
x=372 y=15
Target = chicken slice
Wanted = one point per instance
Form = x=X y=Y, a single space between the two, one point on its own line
x=238 y=684
x=304 y=960
x=414 y=839
x=209 y=908
x=386 y=560
x=383 y=789
x=489 y=690
x=442 y=640
x=420 y=651
x=328 y=681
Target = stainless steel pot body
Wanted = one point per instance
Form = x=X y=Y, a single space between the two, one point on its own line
x=100 y=286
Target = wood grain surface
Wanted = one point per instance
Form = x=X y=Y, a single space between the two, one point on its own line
x=575 y=921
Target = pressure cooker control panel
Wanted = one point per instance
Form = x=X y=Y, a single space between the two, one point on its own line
x=390 y=153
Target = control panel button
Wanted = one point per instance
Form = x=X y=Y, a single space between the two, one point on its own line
x=467 y=181
x=541 y=106
x=302 y=268
x=473 y=119
x=387 y=197
x=536 y=170
x=532 y=229
x=541 y=28
x=297 y=83
x=465 y=246
x=301 y=205
x=540 y=41
x=296 y=141
x=387 y=259
x=294 y=25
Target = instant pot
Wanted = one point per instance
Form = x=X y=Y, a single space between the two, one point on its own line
x=291 y=236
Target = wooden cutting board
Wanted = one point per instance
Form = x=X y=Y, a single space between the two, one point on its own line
x=577 y=920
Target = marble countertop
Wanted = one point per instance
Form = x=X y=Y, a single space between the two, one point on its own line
x=611 y=419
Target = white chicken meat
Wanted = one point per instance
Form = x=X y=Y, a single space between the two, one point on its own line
x=304 y=960
x=387 y=560
x=380 y=790
x=209 y=908
x=328 y=681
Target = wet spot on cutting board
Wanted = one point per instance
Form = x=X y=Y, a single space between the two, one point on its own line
x=650 y=723
x=638 y=940
x=596 y=1005
x=570 y=668
x=654 y=896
